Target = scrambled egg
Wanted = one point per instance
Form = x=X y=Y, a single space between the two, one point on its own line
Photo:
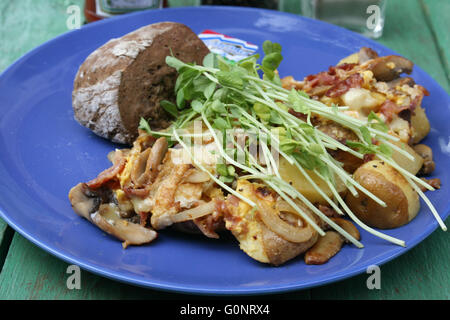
x=186 y=195
x=244 y=225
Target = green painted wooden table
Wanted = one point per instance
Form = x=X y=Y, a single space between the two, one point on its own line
x=417 y=29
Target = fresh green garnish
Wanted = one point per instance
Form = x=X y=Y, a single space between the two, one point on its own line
x=231 y=97
x=226 y=172
x=169 y=107
x=272 y=59
x=378 y=124
x=367 y=146
x=143 y=125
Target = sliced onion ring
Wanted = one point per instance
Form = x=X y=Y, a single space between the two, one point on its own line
x=194 y=213
x=272 y=220
x=284 y=206
x=197 y=176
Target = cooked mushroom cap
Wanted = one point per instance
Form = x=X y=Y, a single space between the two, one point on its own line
x=389 y=68
x=348 y=226
x=84 y=200
x=427 y=155
x=325 y=248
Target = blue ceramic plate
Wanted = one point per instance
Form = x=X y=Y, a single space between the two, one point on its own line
x=44 y=152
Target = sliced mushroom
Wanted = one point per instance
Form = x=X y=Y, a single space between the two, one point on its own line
x=112 y=154
x=144 y=139
x=325 y=248
x=400 y=82
x=84 y=200
x=389 y=68
x=138 y=175
x=427 y=154
x=347 y=226
x=145 y=168
x=108 y=219
x=155 y=158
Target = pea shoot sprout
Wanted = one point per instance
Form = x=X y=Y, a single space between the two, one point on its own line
x=231 y=97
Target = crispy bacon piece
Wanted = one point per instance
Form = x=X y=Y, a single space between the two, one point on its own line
x=318 y=84
x=299 y=115
x=230 y=205
x=107 y=175
x=321 y=79
x=210 y=224
x=144 y=218
x=314 y=119
x=435 y=183
x=368 y=157
x=424 y=90
x=328 y=211
x=354 y=81
x=344 y=66
x=141 y=192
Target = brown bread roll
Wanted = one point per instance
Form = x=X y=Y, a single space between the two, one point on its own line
x=126 y=78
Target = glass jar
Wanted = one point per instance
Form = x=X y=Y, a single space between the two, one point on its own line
x=363 y=16
x=267 y=4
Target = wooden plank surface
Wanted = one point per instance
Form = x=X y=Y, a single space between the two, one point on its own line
x=406 y=31
x=25 y=24
x=32 y=273
x=6 y=234
x=421 y=273
x=414 y=28
x=437 y=13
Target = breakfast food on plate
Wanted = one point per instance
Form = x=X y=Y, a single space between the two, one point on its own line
x=365 y=83
x=126 y=78
x=388 y=185
x=285 y=166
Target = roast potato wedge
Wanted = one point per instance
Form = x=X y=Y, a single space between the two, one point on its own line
x=420 y=126
x=413 y=166
x=292 y=175
x=256 y=238
x=385 y=182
